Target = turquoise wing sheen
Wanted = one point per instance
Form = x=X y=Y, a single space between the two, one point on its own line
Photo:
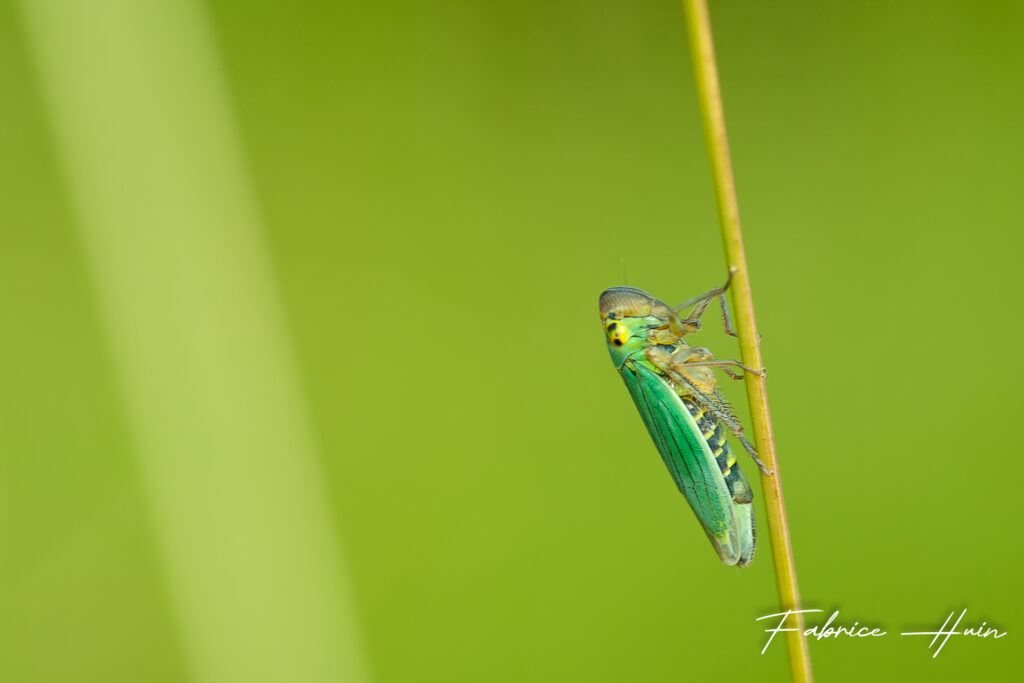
x=729 y=525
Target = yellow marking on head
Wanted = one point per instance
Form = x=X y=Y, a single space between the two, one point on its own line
x=617 y=332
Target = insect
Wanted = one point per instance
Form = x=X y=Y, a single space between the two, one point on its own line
x=675 y=390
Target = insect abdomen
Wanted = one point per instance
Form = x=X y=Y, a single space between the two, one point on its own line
x=714 y=434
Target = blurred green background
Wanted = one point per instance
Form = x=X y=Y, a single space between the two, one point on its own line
x=441 y=191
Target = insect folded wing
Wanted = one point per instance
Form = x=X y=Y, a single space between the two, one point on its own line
x=688 y=459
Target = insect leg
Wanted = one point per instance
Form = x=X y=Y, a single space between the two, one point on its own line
x=684 y=357
x=720 y=409
x=722 y=365
x=706 y=298
x=726 y=318
x=700 y=305
x=733 y=375
x=701 y=387
x=753 y=454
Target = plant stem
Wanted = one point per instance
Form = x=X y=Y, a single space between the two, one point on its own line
x=709 y=95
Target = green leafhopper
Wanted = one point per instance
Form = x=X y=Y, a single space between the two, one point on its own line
x=675 y=390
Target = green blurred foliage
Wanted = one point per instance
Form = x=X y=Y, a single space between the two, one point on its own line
x=447 y=187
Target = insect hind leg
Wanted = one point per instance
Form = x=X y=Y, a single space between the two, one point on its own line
x=752 y=452
x=720 y=409
x=706 y=395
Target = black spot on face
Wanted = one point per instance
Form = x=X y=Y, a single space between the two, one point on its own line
x=617 y=342
x=611 y=328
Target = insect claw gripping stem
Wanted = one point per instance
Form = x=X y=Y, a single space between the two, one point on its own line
x=753 y=454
